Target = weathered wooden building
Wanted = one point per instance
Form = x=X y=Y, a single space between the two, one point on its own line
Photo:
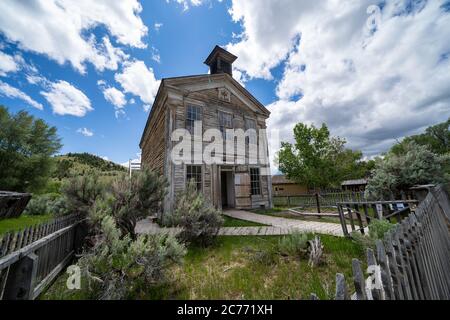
x=216 y=101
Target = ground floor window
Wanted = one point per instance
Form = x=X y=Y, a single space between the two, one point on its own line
x=194 y=173
x=255 y=181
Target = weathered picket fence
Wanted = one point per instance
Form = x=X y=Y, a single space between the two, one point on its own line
x=32 y=258
x=412 y=262
x=12 y=204
x=317 y=200
x=360 y=214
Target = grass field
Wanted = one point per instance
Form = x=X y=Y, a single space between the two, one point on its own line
x=230 y=270
x=22 y=222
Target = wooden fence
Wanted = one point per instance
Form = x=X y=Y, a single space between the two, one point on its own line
x=12 y=204
x=412 y=262
x=317 y=200
x=360 y=214
x=32 y=258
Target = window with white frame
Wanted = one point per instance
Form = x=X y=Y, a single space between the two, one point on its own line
x=193 y=114
x=194 y=173
x=255 y=181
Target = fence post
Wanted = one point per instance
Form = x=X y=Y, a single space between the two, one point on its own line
x=318 y=202
x=21 y=278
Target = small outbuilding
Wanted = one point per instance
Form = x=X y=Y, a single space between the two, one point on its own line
x=282 y=186
x=354 y=185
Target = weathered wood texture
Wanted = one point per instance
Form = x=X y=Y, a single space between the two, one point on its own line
x=32 y=258
x=154 y=143
x=309 y=199
x=170 y=114
x=12 y=204
x=361 y=213
x=412 y=262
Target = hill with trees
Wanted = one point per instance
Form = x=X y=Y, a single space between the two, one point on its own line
x=75 y=164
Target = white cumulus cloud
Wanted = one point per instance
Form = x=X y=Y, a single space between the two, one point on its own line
x=66 y=99
x=373 y=75
x=7 y=64
x=85 y=132
x=136 y=78
x=62 y=29
x=13 y=92
x=115 y=97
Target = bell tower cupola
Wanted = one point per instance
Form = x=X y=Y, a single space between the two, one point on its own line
x=220 y=61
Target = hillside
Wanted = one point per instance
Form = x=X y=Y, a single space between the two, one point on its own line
x=73 y=164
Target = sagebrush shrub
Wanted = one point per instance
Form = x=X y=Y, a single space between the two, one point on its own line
x=377 y=230
x=81 y=192
x=47 y=204
x=293 y=245
x=129 y=200
x=118 y=267
x=199 y=220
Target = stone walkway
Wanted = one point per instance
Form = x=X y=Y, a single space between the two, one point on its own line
x=286 y=224
x=276 y=226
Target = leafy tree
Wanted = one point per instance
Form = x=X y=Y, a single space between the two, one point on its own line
x=397 y=172
x=436 y=138
x=319 y=160
x=26 y=147
x=62 y=169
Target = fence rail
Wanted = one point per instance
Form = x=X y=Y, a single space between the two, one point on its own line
x=30 y=259
x=318 y=199
x=412 y=262
x=12 y=204
x=361 y=214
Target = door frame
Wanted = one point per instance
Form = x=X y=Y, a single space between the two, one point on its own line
x=229 y=169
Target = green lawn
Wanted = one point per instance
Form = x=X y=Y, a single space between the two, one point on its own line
x=22 y=222
x=229 y=270
x=233 y=222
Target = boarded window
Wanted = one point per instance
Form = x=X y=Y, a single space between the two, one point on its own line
x=255 y=181
x=194 y=113
x=225 y=122
x=194 y=173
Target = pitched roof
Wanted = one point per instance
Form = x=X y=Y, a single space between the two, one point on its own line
x=227 y=56
x=281 y=179
x=354 y=182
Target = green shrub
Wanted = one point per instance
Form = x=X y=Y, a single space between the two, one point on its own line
x=295 y=244
x=377 y=230
x=199 y=220
x=81 y=192
x=129 y=200
x=266 y=257
x=46 y=204
x=118 y=267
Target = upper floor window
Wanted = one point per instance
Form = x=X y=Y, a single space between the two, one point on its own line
x=225 y=122
x=250 y=124
x=194 y=113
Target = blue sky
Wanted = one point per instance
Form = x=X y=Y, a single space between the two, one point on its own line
x=183 y=41
x=92 y=69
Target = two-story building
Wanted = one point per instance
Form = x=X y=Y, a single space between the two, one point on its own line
x=217 y=104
